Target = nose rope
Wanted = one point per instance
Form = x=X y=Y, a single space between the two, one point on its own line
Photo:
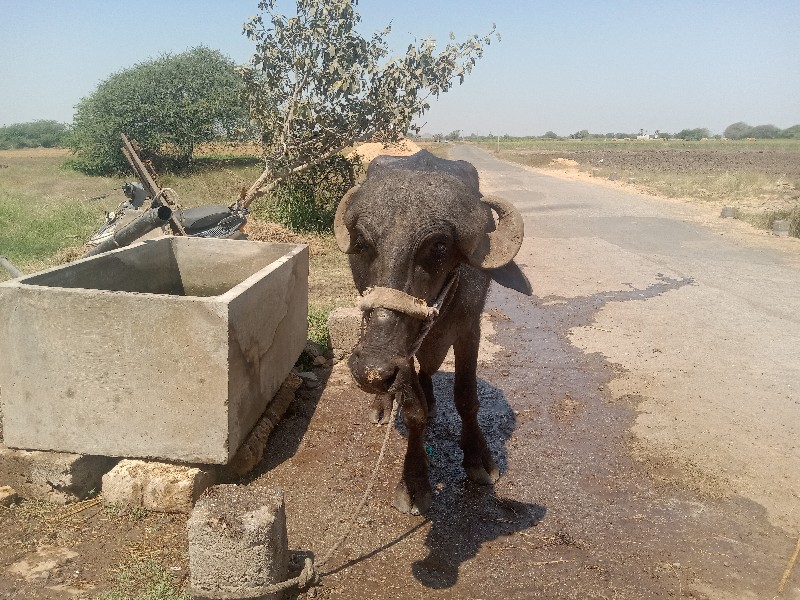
x=417 y=308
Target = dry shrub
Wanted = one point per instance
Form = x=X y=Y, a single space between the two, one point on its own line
x=266 y=231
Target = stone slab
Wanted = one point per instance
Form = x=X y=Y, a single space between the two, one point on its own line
x=344 y=328
x=237 y=542
x=156 y=486
x=53 y=476
x=167 y=349
x=781 y=228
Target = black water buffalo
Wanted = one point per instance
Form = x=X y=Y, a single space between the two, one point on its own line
x=423 y=246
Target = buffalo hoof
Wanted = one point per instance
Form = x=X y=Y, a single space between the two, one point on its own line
x=483 y=476
x=378 y=416
x=419 y=505
x=381 y=410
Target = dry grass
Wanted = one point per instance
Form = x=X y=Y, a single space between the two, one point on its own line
x=330 y=284
x=760 y=178
x=46 y=213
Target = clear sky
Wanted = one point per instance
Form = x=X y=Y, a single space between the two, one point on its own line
x=605 y=66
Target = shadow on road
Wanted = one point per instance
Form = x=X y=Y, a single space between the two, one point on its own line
x=466 y=515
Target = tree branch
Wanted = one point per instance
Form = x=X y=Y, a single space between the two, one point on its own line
x=268 y=181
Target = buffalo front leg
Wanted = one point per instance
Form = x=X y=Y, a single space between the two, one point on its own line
x=478 y=462
x=413 y=492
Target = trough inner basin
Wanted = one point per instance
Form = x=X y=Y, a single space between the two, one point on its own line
x=173 y=266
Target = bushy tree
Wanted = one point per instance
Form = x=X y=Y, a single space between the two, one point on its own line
x=737 y=131
x=315 y=85
x=34 y=134
x=791 y=132
x=765 y=132
x=168 y=105
x=693 y=134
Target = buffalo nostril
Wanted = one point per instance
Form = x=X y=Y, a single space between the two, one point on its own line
x=380 y=377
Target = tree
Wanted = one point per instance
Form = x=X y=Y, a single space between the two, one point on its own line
x=693 y=134
x=765 y=132
x=791 y=132
x=316 y=86
x=453 y=136
x=168 y=105
x=34 y=134
x=737 y=131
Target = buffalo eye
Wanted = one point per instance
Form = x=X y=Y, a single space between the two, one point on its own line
x=360 y=245
x=435 y=255
x=439 y=250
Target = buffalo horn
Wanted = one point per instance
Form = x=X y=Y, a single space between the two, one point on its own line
x=340 y=231
x=499 y=247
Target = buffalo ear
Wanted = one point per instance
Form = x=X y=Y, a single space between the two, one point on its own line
x=512 y=277
x=340 y=230
x=499 y=247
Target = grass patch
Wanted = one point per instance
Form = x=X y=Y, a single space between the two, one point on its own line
x=765 y=220
x=30 y=233
x=46 y=211
x=318 y=326
x=213 y=180
x=144 y=580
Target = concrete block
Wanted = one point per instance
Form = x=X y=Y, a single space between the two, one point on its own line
x=237 y=542
x=344 y=328
x=166 y=349
x=53 y=476
x=781 y=228
x=156 y=486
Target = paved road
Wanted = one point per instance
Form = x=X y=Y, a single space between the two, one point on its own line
x=640 y=406
x=700 y=320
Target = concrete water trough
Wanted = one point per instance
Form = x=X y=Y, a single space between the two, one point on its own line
x=170 y=348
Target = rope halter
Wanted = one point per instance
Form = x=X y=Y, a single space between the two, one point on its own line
x=416 y=308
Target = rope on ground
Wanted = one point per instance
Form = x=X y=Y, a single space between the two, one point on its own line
x=789 y=568
x=368 y=491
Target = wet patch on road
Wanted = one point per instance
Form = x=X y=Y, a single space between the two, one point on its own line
x=644 y=526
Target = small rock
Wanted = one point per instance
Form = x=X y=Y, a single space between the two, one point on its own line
x=8 y=496
x=310 y=380
x=320 y=361
x=312 y=349
x=633 y=180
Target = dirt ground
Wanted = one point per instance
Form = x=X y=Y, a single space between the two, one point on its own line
x=581 y=511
